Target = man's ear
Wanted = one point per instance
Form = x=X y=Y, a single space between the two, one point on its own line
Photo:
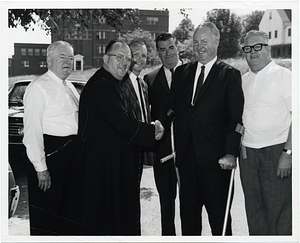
x=105 y=58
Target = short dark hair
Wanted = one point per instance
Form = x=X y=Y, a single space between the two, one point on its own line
x=111 y=44
x=163 y=37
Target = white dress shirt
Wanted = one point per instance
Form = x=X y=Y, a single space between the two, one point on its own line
x=168 y=73
x=133 y=78
x=207 y=69
x=48 y=109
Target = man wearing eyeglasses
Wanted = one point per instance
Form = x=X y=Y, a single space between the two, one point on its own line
x=266 y=158
x=107 y=179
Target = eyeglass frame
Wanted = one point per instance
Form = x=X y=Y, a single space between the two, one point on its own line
x=252 y=47
x=118 y=56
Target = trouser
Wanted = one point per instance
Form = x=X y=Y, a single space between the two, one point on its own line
x=166 y=183
x=268 y=200
x=45 y=208
x=200 y=188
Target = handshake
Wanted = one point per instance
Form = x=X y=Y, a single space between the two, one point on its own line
x=159 y=129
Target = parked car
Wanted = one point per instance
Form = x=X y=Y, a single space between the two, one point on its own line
x=13 y=193
x=15 y=117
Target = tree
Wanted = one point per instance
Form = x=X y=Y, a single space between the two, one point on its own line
x=183 y=38
x=184 y=31
x=229 y=25
x=145 y=36
x=251 y=21
x=57 y=21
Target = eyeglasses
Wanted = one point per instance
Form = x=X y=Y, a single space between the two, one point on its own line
x=256 y=47
x=120 y=57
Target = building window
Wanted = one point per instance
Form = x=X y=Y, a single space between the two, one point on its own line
x=270 y=34
x=275 y=34
x=78 y=65
x=44 y=52
x=97 y=62
x=152 y=20
x=37 y=52
x=30 y=52
x=101 y=35
x=289 y=31
x=270 y=15
x=42 y=64
x=100 y=49
x=278 y=52
x=23 y=51
x=153 y=36
x=25 y=63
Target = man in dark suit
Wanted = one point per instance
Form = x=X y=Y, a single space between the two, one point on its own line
x=136 y=92
x=207 y=131
x=159 y=83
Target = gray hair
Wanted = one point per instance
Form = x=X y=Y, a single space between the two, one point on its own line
x=53 y=46
x=263 y=34
x=212 y=27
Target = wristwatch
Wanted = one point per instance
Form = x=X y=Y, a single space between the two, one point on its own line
x=287 y=151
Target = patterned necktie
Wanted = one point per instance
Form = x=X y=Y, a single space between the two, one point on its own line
x=71 y=94
x=199 y=84
x=142 y=100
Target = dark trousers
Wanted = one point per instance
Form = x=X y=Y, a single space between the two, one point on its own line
x=268 y=199
x=166 y=184
x=45 y=208
x=200 y=188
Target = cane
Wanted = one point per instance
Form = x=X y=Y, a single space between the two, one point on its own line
x=172 y=155
x=228 y=201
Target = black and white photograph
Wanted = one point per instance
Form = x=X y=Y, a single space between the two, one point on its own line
x=149 y=121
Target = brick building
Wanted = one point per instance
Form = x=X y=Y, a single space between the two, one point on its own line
x=28 y=59
x=89 y=47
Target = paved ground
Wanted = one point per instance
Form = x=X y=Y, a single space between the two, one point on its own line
x=18 y=225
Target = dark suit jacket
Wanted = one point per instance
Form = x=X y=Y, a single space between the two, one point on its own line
x=159 y=93
x=211 y=122
x=134 y=109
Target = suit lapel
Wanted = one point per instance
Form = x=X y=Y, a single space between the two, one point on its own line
x=209 y=79
x=189 y=83
x=161 y=76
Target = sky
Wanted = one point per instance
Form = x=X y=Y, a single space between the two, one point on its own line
x=196 y=9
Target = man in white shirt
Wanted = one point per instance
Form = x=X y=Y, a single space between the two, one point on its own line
x=50 y=127
x=266 y=158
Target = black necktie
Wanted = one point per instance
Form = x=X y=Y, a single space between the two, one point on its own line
x=141 y=98
x=199 y=84
x=172 y=73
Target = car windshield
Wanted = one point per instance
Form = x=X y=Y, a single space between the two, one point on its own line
x=17 y=93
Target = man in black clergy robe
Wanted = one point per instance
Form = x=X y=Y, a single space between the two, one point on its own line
x=208 y=121
x=107 y=178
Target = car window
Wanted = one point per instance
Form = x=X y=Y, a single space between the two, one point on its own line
x=78 y=86
x=17 y=93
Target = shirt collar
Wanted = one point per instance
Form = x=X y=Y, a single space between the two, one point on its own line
x=52 y=75
x=132 y=76
x=168 y=70
x=266 y=70
x=208 y=65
